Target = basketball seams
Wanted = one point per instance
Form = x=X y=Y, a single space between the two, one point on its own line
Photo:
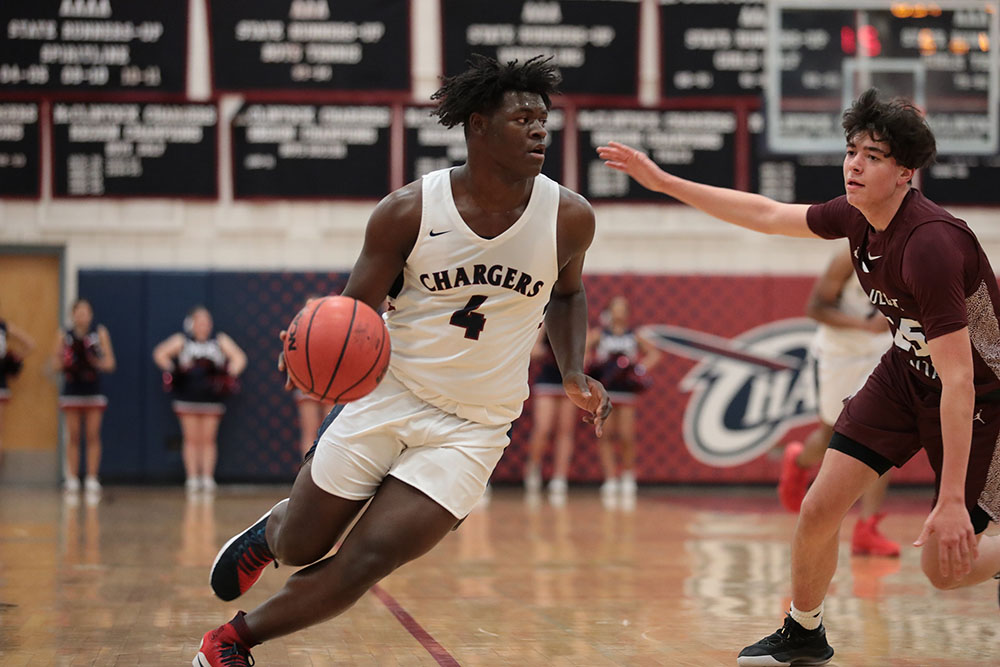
x=375 y=364
x=312 y=316
x=336 y=328
x=296 y=380
x=343 y=349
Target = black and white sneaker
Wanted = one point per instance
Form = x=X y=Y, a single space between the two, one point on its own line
x=790 y=645
x=242 y=560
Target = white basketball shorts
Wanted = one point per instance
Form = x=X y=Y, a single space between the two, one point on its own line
x=392 y=432
x=840 y=377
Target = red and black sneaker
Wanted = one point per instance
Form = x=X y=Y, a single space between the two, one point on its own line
x=222 y=647
x=867 y=540
x=242 y=560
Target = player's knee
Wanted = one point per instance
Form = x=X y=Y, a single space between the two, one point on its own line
x=816 y=514
x=942 y=583
x=288 y=550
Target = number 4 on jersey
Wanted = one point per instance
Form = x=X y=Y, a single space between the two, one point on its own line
x=467 y=318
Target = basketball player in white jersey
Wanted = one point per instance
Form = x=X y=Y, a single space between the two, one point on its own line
x=469 y=258
x=851 y=338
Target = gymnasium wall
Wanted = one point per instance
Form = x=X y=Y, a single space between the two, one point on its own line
x=275 y=234
x=707 y=417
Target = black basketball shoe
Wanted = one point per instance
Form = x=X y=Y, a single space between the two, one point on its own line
x=790 y=645
x=242 y=560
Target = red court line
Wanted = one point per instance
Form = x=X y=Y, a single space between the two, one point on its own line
x=437 y=651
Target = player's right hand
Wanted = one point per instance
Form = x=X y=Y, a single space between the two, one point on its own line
x=590 y=395
x=633 y=162
x=281 y=361
x=957 y=546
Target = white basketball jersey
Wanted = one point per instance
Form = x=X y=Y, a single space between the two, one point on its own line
x=468 y=313
x=846 y=342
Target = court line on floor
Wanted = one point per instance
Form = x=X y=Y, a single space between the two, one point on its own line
x=437 y=651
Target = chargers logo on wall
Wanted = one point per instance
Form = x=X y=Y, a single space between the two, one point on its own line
x=746 y=392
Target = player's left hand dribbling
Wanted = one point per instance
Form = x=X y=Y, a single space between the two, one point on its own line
x=590 y=395
x=949 y=523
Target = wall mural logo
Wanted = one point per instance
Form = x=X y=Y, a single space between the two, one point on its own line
x=746 y=392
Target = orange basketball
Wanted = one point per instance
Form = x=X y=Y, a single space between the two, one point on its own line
x=337 y=349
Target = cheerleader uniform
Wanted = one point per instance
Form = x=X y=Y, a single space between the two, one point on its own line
x=200 y=380
x=616 y=366
x=548 y=381
x=81 y=380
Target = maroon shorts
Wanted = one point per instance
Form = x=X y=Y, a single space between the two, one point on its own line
x=895 y=416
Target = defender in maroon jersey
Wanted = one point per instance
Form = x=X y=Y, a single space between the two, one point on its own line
x=938 y=388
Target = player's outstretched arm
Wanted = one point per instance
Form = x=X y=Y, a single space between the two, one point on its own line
x=390 y=236
x=566 y=316
x=745 y=209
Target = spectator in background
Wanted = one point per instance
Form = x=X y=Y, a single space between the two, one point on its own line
x=200 y=369
x=82 y=352
x=15 y=344
x=619 y=361
x=553 y=418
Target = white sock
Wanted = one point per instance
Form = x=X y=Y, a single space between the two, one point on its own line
x=810 y=620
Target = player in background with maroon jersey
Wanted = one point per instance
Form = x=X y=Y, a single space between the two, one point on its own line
x=937 y=389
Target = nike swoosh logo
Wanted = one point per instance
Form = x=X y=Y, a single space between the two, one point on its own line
x=872 y=259
x=433 y=233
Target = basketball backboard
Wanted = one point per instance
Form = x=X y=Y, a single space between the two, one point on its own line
x=942 y=56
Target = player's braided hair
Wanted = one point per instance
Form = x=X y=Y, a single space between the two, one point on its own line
x=480 y=88
x=897 y=123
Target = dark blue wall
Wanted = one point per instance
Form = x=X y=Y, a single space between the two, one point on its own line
x=258 y=438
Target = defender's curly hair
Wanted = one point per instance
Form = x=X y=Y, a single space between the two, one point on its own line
x=481 y=87
x=897 y=123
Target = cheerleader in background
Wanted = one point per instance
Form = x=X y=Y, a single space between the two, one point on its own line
x=200 y=369
x=619 y=361
x=82 y=353
x=553 y=419
x=15 y=344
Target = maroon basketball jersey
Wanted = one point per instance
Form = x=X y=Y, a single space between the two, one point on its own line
x=927 y=273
